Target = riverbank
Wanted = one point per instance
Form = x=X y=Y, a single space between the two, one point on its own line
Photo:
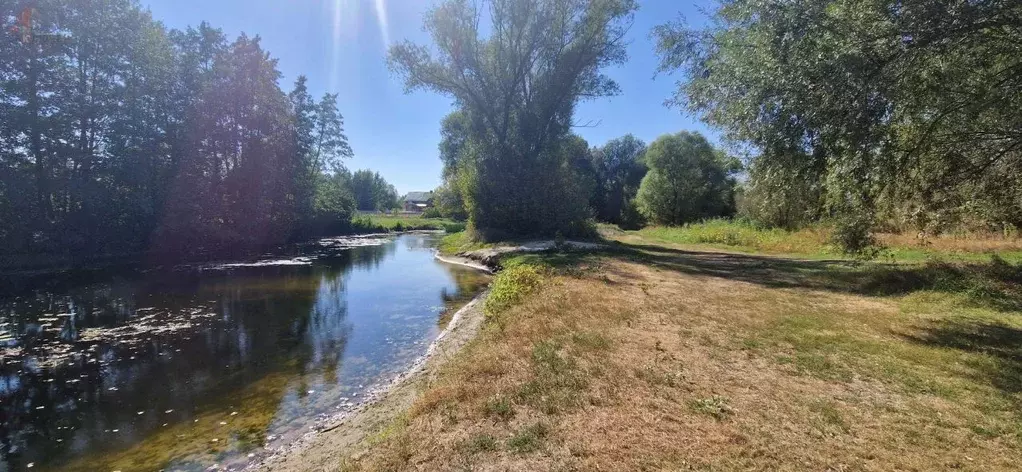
x=348 y=434
x=651 y=356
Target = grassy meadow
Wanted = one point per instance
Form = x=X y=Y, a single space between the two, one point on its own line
x=658 y=355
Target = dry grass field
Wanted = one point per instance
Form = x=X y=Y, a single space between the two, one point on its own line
x=651 y=357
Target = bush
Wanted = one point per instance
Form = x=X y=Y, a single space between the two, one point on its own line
x=451 y=228
x=432 y=212
x=510 y=286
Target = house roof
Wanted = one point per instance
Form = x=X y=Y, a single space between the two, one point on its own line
x=418 y=196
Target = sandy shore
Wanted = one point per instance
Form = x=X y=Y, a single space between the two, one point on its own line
x=326 y=449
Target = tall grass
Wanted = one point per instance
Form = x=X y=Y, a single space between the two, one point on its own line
x=746 y=237
x=816 y=242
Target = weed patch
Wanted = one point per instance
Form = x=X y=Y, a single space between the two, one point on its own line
x=715 y=406
x=481 y=443
x=528 y=439
x=500 y=408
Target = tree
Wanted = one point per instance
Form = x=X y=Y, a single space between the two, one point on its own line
x=688 y=180
x=117 y=134
x=516 y=90
x=372 y=192
x=620 y=168
x=907 y=106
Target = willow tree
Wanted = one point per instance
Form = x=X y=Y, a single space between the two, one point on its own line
x=911 y=105
x=517 y=87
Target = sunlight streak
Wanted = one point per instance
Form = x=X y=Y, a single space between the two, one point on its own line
x=381 y=20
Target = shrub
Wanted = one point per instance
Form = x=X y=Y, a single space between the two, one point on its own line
x=451 y=228
x=510 y=286
x=432 y=212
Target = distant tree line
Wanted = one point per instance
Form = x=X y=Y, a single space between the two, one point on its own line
x=119 y=134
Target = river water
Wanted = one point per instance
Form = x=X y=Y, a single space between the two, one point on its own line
x=192 y=367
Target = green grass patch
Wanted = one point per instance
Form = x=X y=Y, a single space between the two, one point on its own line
x=480 y=443
x=499 y=407
x=528 y=439
x=745 y=237
x=458 y=242
x=397 y=223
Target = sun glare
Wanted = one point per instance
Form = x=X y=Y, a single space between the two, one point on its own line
x=346 y=27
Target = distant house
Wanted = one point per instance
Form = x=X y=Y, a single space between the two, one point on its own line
x=418 y=201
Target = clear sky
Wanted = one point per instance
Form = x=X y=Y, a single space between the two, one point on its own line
x=341 y=46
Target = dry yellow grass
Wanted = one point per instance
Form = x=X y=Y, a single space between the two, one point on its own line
x=660 y=359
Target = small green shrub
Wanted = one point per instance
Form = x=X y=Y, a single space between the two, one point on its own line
x=451 y=228
x=432 y=212
x=510 y=286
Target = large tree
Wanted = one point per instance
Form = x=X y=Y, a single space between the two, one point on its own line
x=688 y=180
x=516 y=89
x=619 y=167
x=911 y=105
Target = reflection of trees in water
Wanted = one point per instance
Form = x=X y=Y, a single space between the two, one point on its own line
x=284 y=321
x=468 y=283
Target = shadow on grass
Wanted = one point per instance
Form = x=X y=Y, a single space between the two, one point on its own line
x=996 y=285
x=1001 y=343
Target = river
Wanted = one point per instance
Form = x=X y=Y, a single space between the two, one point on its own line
x=190 y=367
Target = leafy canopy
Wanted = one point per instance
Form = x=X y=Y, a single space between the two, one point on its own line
x=516 y=91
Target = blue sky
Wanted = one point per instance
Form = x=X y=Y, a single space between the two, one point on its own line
x=341 y=46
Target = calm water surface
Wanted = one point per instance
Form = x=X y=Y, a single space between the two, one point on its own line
x=191 y=367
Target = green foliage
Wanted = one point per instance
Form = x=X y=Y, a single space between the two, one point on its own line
x=450 y=228
x=619 y=167
x=687 y=180
x=510 y=287
x=118 y=134
x=432 y=212
x=509 y=145
x=372 y=192
x=906 y=109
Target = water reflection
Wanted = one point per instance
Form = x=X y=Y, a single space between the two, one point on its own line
x=180 y=369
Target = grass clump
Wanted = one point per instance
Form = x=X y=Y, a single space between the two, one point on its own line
x=716 y=406
x=499 y=407
x=510 y=286
x=528 y=439
x=481 y=443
